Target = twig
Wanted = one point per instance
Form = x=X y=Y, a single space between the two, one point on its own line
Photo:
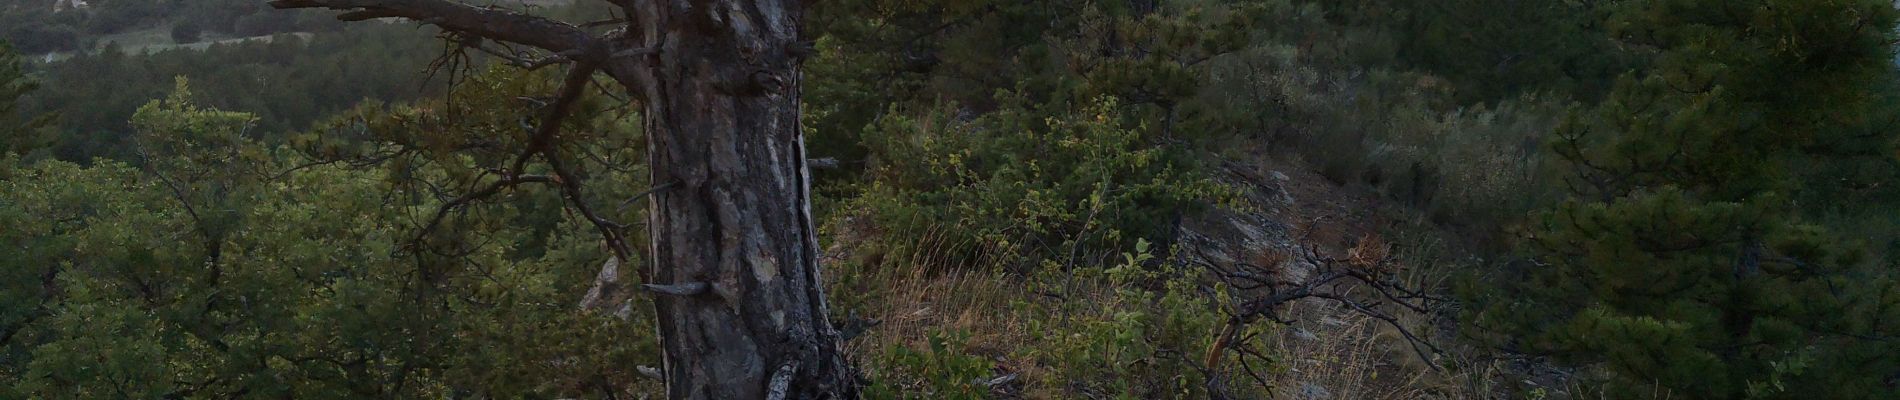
x=644 y=194
x=490 y=190
x=572 y=89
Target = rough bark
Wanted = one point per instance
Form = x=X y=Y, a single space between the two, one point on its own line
x=733 y=253
x=724 y=124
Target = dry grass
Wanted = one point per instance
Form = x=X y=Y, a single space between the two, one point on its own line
x=1331 y=352
x=913 y=294
x=916 y=304
x=981 y=304
x=1344 y=354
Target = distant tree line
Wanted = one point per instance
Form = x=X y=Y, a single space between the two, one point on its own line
x=39 y=28
x=288 y=83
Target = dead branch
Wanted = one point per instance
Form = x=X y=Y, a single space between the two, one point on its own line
x=1264 y=292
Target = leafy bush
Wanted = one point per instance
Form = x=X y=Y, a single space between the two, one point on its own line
x=1474 y=167
x=225 y=269
x=1477 y=166
x=1018 y=186
x=1142 y=337
x=943 y=370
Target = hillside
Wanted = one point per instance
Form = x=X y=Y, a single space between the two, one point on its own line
x=972 y=199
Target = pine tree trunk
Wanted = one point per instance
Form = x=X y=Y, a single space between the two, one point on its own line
x=734 y=236
x=734 y=258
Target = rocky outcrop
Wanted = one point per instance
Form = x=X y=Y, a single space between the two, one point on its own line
x=1252 y=232
x=611 y=292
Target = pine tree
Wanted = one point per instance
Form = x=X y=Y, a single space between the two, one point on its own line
x=18 y=133
x=224 y=268
x=1684 y=265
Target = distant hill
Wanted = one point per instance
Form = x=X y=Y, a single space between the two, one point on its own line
x=54 y=29
x=65 y=26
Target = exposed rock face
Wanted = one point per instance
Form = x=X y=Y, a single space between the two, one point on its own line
x=611 y=291
x=1252 y=233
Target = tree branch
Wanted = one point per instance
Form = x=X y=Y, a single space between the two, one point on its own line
x=492 y=23
x=571 y=187
x=521 y=60
x=572 y=88
x=1263 y=292
x=490 y=190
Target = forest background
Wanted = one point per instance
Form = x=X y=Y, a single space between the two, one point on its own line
x=1054 y=199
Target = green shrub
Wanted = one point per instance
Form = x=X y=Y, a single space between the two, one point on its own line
x=1020 y=185
x=944 y=370
x=1142 y=337
x=223 y=269
x=1477 y=167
